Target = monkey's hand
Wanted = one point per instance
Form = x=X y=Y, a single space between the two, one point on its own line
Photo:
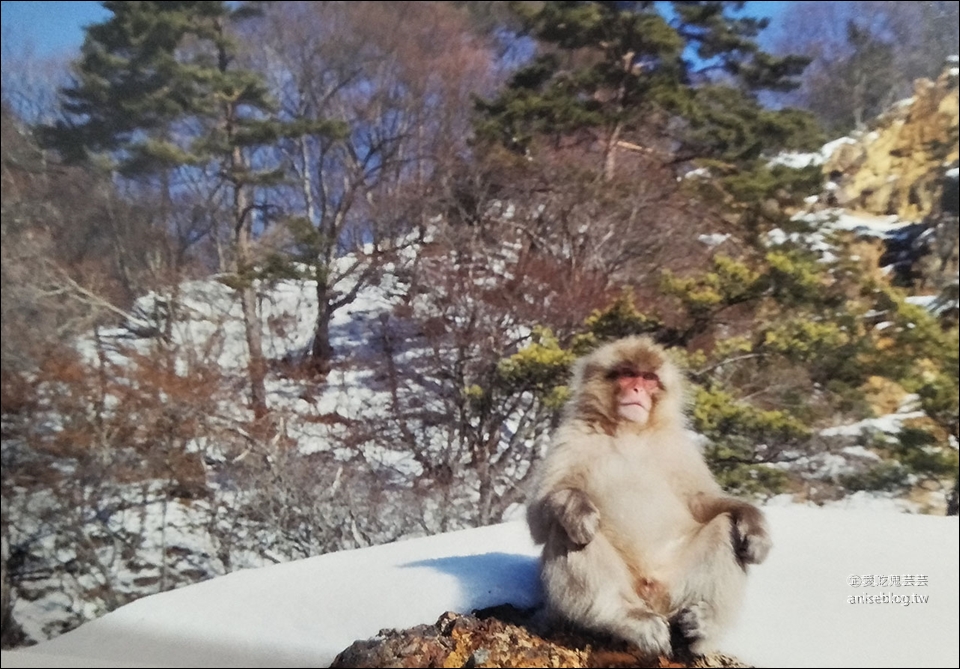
x=576 y=514
x=751 y=542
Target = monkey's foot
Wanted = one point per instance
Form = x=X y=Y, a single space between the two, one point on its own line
x=694 y=629
x=691 y=624
x=651 y=633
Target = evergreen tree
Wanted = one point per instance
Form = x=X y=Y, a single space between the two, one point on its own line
x=626 y=73
x=157 y=87
x=777 y=337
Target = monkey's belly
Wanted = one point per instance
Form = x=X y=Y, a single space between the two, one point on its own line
x=649 y=526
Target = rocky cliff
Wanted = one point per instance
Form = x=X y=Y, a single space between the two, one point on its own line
x=897 y=166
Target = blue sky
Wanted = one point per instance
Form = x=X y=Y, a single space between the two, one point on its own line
x=47 y=28
x=56 y=28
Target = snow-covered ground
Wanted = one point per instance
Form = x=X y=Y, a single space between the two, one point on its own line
x=798 y=160
x=209 y=321
x=303 y=612
x=800 y=610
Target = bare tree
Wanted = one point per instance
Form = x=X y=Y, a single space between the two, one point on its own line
x=865 y=55
x=525 y=251
x=398 y=78
x=30 y=81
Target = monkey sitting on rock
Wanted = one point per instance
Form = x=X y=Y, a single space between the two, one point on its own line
x=638 y=538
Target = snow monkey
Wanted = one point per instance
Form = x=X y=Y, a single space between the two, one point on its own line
x=638 y=538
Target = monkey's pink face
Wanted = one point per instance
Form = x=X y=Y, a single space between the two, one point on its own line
x=636 y=394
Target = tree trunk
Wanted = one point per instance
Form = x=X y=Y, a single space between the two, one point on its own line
x=610 y=154
x=859 y=97
x=321 y=352
x=256 y=367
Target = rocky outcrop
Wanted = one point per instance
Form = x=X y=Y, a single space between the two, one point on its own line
x=897 y=167
x=499 y=637
x=941 y=263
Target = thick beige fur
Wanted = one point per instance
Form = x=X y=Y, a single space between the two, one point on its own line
x=638 y=536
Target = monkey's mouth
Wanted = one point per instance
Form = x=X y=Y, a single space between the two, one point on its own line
x=636 y=412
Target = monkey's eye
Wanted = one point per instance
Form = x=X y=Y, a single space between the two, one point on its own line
x=649 y=376
x=618 y=373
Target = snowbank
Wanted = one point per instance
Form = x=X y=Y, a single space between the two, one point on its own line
x=798 y=610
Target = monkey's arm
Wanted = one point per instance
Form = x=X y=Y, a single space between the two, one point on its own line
x=569 y=508
x=751 y=541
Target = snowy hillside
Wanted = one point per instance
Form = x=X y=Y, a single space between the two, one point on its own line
x=409 y=434
x=798 y=610
x=292 y=296
x=182 y=541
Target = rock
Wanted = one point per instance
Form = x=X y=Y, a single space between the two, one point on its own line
x=499 y=637
x=941 y=264
x=896 y=167
x=884 y=395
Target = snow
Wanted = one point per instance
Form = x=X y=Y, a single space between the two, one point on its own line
x=822 y=224
x=828 y=466
x=935 y=304
x=797 y=610
x=863 y=500
x=815 y=241
x=798 y=160
x=697 y=173
x=304 y=612
x=888 y=424
x=713 y=240
x=207 y=330
x=209 y=324
x=864 y=224
x=830 y=147
x=926 y=301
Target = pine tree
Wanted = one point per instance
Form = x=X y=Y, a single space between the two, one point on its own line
x=777 y=337
x=157 y=87
x=620 y=69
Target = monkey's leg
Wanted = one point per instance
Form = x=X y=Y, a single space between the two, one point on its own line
x=707 y=588
x=593 y=587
